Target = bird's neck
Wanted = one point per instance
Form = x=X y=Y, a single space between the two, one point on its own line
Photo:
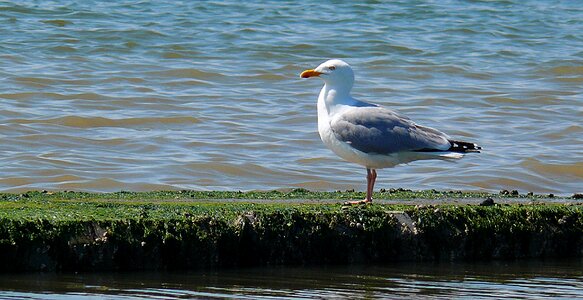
x=331 y=96
x=331 y=101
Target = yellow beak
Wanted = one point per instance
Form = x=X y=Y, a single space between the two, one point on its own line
x=310 y=73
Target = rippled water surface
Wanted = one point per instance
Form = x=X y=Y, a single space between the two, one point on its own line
x=509 y=280
x=144 y=95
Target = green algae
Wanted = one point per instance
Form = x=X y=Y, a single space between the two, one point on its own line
x=383 y=194
x=507 y=231
x=250 y=195
x=67 y=205
x=189 y=230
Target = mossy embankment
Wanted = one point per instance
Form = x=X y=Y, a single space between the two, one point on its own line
x=189 y=230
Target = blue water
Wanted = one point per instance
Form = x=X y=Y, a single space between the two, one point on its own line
x=139 y=95
x=501 y=280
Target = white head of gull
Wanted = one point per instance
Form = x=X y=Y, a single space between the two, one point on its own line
x=370 y=135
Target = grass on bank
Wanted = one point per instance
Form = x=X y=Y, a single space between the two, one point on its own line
x=382 y=194
x=81 y=206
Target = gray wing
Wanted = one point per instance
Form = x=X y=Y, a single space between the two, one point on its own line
x=383 y=131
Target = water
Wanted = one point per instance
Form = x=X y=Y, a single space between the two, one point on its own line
x=146 y=95
x=515 y=280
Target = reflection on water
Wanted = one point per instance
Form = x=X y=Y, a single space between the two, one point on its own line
x=145 y=95
x=517 y=280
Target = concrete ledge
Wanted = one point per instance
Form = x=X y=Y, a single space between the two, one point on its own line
x=195 y=235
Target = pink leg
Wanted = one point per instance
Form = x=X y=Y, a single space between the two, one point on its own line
x=371 y=177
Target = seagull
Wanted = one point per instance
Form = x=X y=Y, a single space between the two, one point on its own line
x=371 y=135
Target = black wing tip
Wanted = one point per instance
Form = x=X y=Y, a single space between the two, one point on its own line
x=463 y=147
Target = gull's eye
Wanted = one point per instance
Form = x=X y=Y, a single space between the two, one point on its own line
x=331 y=68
